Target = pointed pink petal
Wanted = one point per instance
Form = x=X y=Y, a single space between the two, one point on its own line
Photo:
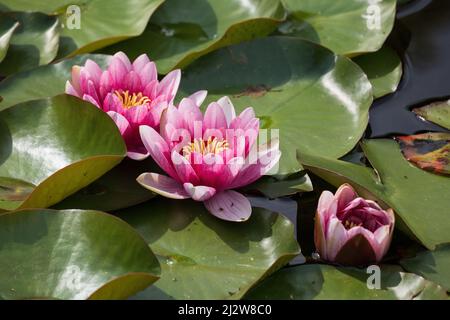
x=191 y=114
x=137 y=115
x=184 y=168
x=158 y=149
x=199 y=193
x=132 y=82
x=140 y=62
x=137 y=155
x=169 y=85
x=94 y=71
x=383 y=236
x=88 y=98
x=214 y=117
x=148 y=73
x=228 y=109
x=243 y=119
x=198 y=97
x=162 y=185
x=123 y=57
x=326 y=208
x=76 y=79
x=117 y=71
x=336 y=237
x=112 y=103
x=345 y=194
x=229 y=205
x=71 y=90
x=121 y=122
x=156 y=113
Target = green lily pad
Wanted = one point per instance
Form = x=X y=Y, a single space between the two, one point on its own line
x=428 y=151
x=318 y=101
x=35 y=42
x=203 y=257
x=72 y=254
x=115 y=190
x=347 y=27
x=42 y=82
x=181 y=31
x=274 y=187
x=58 y=145
x=432 y=265
x=7 y=28
x=101 y=22
x=384 y=69
x=416 y=196
x=324 y=282
x=437 y=112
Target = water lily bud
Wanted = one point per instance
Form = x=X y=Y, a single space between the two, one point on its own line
x=350 y=230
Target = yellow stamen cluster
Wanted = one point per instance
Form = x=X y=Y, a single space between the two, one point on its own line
x=213 y=146
x=348 y=225
x=131 y=100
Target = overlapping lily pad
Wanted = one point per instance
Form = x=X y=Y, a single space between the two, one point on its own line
x=428 y=151
x=347 y=27
x=203 y=257
x=35 y=42
x=321 y=282
x=437 y=112
x=101 y=22
x=42 y=82
x=417 y=197
x=181 y=31
x=53 y=147
x=384 y=70
x=7 y=28
x=318 y=101
x=115 y=190
x=72 y=254
x=433 y=265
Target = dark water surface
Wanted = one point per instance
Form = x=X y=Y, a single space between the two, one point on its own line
x=421 y=36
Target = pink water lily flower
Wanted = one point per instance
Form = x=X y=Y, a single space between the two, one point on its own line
x=129 y=92
x=350 y=230
x=206 y=156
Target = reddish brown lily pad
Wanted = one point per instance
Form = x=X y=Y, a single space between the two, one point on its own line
x=428 y=151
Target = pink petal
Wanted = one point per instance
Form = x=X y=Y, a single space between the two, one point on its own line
x=199 y=193
x=133 y=82
x=243 y=119
x=121 y=122
x=112 y=103
x=229 y=205
x=383 y=236
x=124 y=58
x=148 y=73
x=71 y=90
x=191 y=114
x=76 y=78
x=345 y=194
x=137 y=115
x=158 y=149
x=326 y=208
x=156 y=113
x=214 y=117
x=88 y=98
x=198 y=97
x=117 y=71
x=228 y=109
x=169 y=85
x=184 y=168
x=94 y=71
x=140 y=62
x=162 y=185
x=137 y=155
x=336 y=237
